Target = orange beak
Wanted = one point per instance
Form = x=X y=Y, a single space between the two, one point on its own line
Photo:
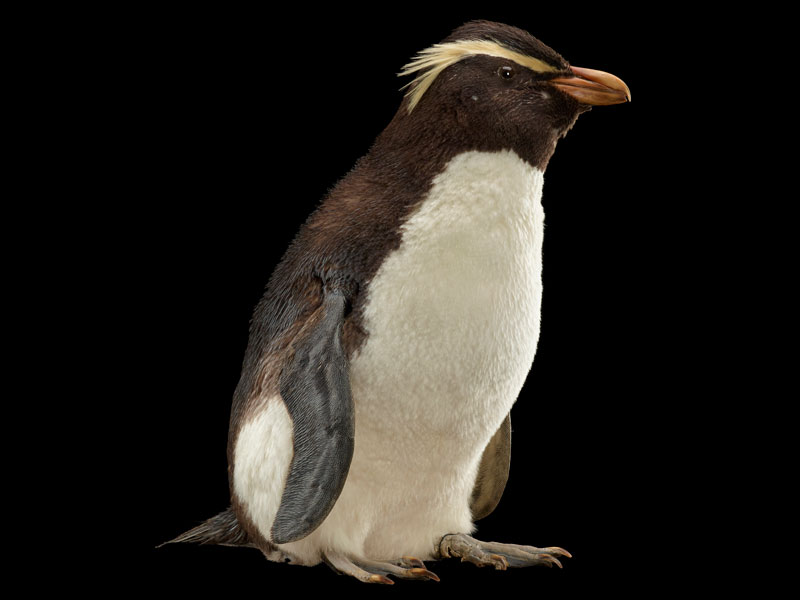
x=596 y=88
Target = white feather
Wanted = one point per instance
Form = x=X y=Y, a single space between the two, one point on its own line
x=262 y=456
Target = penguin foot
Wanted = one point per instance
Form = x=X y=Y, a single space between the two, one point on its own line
x=499 y=556
x=370 y=571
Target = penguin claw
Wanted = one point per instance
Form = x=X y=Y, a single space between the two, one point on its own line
x=550 y=560
x=557 y=551
x=410 y=561
x=491 y=553
x=419 y=573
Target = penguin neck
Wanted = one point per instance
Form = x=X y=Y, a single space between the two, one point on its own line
x=426 y=139
x=481 y=200
x=416 y=151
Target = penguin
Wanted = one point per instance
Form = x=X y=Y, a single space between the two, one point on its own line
x=370 y=428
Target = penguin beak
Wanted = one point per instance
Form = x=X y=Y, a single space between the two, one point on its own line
x=596 y=88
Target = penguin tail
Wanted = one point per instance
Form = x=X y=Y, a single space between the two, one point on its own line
x=222 y=529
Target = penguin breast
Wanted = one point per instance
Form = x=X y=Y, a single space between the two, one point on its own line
x=452 y=315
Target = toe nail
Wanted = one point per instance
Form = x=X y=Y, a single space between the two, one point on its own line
x=500 y=563
x=424 y=573
x=550 y=560
x=414 y=561
x=381 y=579
x=559 y=551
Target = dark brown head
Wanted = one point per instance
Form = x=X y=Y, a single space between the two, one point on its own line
x=493 y=87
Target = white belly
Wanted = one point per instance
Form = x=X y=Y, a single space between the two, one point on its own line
x=453 y=323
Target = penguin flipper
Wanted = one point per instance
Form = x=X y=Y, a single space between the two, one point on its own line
x=492 y=472
x=315 y=388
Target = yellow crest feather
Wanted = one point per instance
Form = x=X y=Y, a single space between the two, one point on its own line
x=430 y=62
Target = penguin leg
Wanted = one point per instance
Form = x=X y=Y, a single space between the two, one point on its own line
x=370 y=571
x=499 y=556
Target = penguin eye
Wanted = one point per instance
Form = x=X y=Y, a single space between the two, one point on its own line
x=506 y=72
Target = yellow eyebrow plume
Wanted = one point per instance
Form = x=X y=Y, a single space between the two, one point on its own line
x=430 y=62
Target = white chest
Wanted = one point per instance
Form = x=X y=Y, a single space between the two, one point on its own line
x=453 y=314
x=453 y=320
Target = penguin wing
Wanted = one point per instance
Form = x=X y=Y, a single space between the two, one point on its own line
x=315 y=388
x=492 y=472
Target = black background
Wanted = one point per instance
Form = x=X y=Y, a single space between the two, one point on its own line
x=240 y=122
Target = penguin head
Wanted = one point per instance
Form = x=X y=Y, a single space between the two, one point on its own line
x=494 y=86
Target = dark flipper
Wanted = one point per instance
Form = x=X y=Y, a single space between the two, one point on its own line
x=492 y=472
x=315 y=387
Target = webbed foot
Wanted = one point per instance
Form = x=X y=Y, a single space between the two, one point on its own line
x=370 y=571
x=499 y=556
